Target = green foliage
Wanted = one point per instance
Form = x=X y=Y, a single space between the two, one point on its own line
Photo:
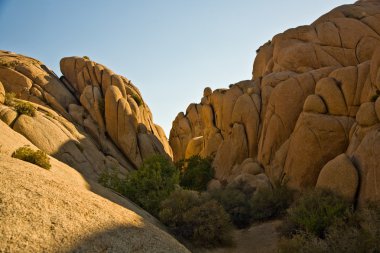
x=110 y=179
x=37 y=157
x=152 y=183
x=357 y=232
x=25 y=108
x=316 y=210
x=137 y=99
x=236 y=203
x=196 y=172
x=86 y=57
x=10 y=98
x=197 y=218
x=269 y=203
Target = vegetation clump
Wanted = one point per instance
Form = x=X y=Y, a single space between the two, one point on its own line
x=25 y=108
x=20 y=106
x=196 y=217
x=196 y=172
x=236 y=203
x=37 y=157
x=10 y=98
x=315 y=211
x=269 y=203
x=110 y=179
x=152 y=183
x=321 y=221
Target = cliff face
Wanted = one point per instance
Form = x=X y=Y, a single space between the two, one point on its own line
x=312 y=102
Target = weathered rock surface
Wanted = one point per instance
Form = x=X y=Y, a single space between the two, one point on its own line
x=53 y=210
x=2 y=93
x=312 y=97
x=116 y=107
x=341 y=176
x=88 y=129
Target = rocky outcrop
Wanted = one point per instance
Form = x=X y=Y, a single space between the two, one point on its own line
x=91 y=127
x=2 y=93
x=54 y=210
x=115 y=108
x=311 y=99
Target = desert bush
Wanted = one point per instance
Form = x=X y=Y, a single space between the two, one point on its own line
x=10 y=98
x=302 y=243
x=37 y=157
x=236 y=203
x=268 y=203
x=110 y=179
x=197 y=218
x=152 y=183
x=316 y=210
x=346 y=235
x=25 y=108
x=196 y=172
x=86 y=57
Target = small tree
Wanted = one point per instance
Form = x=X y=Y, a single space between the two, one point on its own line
x=152 y=183
x=197 y=218
x=316 y=210
x=196 y=172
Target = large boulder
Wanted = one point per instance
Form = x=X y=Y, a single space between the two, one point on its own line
x=340 y=176
x=313 y=96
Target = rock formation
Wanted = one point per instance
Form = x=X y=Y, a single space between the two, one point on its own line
x=115 y=107
x=53 y=210
x=88 y=131
x=96 y=120
x=313 y=97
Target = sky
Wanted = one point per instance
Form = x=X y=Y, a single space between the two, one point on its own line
x=170 y=49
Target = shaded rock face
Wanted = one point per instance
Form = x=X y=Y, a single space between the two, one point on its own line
x=90 y=127
x=116 y=108
x=313 y=97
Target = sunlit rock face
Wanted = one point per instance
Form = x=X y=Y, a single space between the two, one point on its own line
x=312 y=97
x=90 y=118
x=116 y=108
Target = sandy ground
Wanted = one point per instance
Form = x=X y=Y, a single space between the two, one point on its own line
x=259 y=238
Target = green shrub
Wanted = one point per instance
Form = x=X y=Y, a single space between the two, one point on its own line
x=315 y=211
x=348 y=235
x=25 y=108
x=197 y=218
x=111 y=179
x=236 y=203
x=302 y=243
x=268 y=203
x=152 y=183
x=196 y=172
x=37 y=157
x=10 y=98
x=86 y=57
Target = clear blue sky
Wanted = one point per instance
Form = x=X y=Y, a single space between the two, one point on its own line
x=171 y=49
